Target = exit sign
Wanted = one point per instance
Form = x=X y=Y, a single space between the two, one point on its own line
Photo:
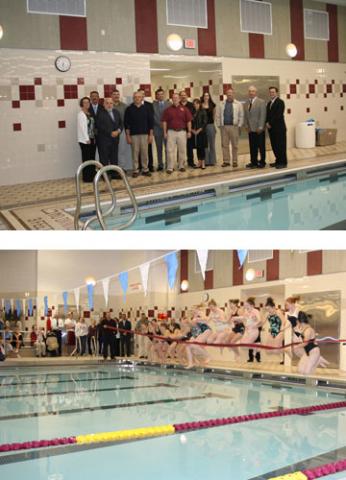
x=189 y=43
x=259 y=273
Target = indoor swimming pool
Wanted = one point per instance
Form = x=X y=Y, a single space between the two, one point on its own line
x=48 y=403
x=316 y=202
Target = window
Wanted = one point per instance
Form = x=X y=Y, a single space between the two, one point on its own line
x=71 y=8
x=316 y=24
x=187 y=13
x=210 y=262
x=256 y=17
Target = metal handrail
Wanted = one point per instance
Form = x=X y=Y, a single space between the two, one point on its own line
x=100 y=214
x=79 y=195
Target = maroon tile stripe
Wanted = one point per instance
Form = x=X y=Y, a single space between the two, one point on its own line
x=333 y=44
x=314 y=262
x=256 y=45
x=207 y=36
x=146 y=26
x=297 y=27
x=184 y=266
x=237 y=271
x=73 y=33
x=273 y=267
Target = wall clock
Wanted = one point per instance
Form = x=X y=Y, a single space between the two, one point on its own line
x=62 y=63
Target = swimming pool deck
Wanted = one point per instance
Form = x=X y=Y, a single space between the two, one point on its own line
x=43 y=205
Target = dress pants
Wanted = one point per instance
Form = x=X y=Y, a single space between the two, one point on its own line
x=189 y=149
x=88 y=153
x=108 y=152
x=140 y=148
x=117 y=347
x=108 y=341
x=178 y=139
x=230 y=135
x=278 y=143
x=126 y=345
x=257 y=143
x=160 y=143
x=210 y=154
x=150 y=158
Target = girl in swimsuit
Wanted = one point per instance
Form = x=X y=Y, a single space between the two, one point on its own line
x=310 y=359
x=237 y=326
x=252 y=321
x=276 y=323
x=219 y=323
x=200 y=332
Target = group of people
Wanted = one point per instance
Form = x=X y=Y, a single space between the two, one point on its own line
x=124 y=134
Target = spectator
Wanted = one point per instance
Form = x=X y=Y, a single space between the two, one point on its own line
x=108 y=335
x=189 y=144
x=125 y=336
x=199 y=136
x=176 y=121
x=209 y=106
x=255 y=119
x=149 y=105
x=40 y=344
x=81 y=332
x=124 y=152
x=33 y=336
x=99 y=334
x=139 y=132
x=17 y=341
x=95 y=108
x=117 y=339
x=159 y=106
x=86 y=137
x=92 y=335
x=277 y=128
x=52 y=346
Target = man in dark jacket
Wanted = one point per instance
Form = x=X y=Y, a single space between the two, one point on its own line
x=277 y=128
x=125 y=337
x=108 y=336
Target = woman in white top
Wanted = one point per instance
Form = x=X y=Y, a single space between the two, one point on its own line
x=81 y=332
x=86 y=138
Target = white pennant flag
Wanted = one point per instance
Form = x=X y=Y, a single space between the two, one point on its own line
x=105 y=284
x=23 y=308
x=76 y=297
x=12 y=304
x=2 y=303
x=203 y=259
x=144 y=269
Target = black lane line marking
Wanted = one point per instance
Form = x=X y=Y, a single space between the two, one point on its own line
x=312 y=462
x=171 y=215
x=70 y=381
x=115 y=389
x=104 y=407
x=265 y=193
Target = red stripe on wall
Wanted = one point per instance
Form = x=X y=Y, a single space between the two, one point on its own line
x=273 y=267
x=237 y=271
x=146 y=26
x=207 y=36
x=297 y=27
x=256 y=45
x=209 y=280
x=314 y=262
x=73 y=33
x=184 y=266
x=333 y=44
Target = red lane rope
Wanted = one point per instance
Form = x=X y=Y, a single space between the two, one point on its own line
x=225 y=345
x=325 y=470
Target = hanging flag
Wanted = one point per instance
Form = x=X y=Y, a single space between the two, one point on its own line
x=90 y=287
x=45 y=302
x=76 y=292
x=203 y=259
x=7 y=306
x=124 y=282
x=242 y=254
x=30 y=307
x=105 y=284
x=172 y=267
x=24 y=311
x=18 y=307
x=12 y=304
x=65 y=298
x=144 y=271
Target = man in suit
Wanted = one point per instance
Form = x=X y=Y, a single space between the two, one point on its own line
x=190 y=141
x=159 y=106
x=277 y=128
x=125 y=337
x=109 y=127
x=108 y=326
x=94 y=109
x=255 y=119
x=149 y=105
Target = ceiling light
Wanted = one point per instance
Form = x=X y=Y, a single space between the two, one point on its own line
x=291 y=50
x=250 y=274
x=174 y=42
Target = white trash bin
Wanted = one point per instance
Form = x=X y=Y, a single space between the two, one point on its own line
x=305 y=135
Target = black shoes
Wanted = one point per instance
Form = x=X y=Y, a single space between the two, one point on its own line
x=261 y=165
x=278 y=167
x=159 y=168
x=146 y=174
x=273 y=165
x=251 y=165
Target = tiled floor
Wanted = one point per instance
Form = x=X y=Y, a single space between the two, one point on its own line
x=41 y=205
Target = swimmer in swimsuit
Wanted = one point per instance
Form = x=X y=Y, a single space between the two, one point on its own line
x=276 y=321
x=311 y=357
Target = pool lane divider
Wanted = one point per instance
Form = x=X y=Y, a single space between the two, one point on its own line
x=316 y=472
x=158 y=431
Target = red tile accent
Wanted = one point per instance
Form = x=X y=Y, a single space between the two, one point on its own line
x=314 y=262
x=341 y=95
x=326 y=109
x=237 y=271
x=184 y=266
x=293 y=88
x=308 y=110
x=60 y=103
x=333 y=44
x=256 y=45
x=207 y=36
x=38 y=81
x=119 y=81
x=221 y=98
x=147 y=89
x=62 y=124
x=191 y=84
x=15 y=104
x=288 y=96
x=151 y=313
x=289 y=111
x=146 y=26
x=26 y=92
x=70 y=91
x=333 y=81
x=344 y=87
x=210 y=82
x=209 y=280
x=297 y=81
x=80 y=81
x=342 y=107
x=324 y=95
x=17 y=127
x=307 y=95
x=273 y=266
x=188 y=91
x=108 y=89
x=312 y=88
x=226 y=86
x=73 y=33
x=316 y=82
x=329 y=88
x=174 y=85
x=205 y=88
x=297 y=27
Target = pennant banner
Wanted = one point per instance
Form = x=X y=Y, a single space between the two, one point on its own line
x=76 y=292
x=12 y=304
x=24 y=311
x=65 y=298
x=105 y=284
x=203 y=259
x=144 y=270
x=172 y=267
x=7 y=306
x=90 y=288
x=242 y=254
x=30 y=307
x=18 y=308
x=45 y=302
x=124 y=282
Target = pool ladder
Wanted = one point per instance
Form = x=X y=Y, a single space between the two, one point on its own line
x=101 y=215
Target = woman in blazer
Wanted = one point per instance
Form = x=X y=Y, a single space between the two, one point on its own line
x=86 y=137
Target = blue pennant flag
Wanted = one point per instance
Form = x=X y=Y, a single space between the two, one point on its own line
x=124 y=282
x=65 y=298
x=45 y=301
x=90 y=287
x=18 y=307
x=7 y=306
x=172 y=267
x=242 y=254
x=30 y=308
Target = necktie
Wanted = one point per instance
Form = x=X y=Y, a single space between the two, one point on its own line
x=250 y=106
x=95 y=109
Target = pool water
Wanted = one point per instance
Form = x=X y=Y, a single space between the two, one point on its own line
x=48 y=404
x=312 y=204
